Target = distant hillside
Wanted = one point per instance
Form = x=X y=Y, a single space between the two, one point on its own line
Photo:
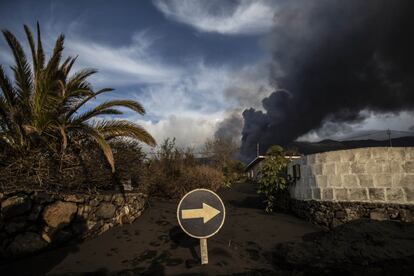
x=330 y=145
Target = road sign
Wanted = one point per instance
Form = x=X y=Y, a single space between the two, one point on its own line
x=201 y=214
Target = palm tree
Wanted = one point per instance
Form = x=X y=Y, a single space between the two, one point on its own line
x=45 y=105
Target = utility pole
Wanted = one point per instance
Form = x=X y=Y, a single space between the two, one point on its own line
x=389 y=136
x=257 y=150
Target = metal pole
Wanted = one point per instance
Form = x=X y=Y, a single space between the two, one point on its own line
x=389 y=136
x=204 y=251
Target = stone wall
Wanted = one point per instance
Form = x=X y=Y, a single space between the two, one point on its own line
x=34 y=221
x=330 y=214
x=381 y=174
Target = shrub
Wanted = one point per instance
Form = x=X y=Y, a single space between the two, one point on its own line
x=272 y=177
x=172 y=172
x=222 y=154
x=83 y=167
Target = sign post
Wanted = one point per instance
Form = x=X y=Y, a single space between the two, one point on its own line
x=201 y=214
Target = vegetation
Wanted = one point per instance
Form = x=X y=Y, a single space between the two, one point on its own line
x=172 y=172
x=46 y=104
x=272 y=176
x=51 y=138
x=45 y=111
x=222 y=155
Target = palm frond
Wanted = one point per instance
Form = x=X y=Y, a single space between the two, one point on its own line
x=123 y=128
x=22 y=72
x=6 y=87
x=53 y=64
x=79 y=105
x=133 y=105
x=32 y=47
x=100 y=140
x=40 y=53
x=95 y=112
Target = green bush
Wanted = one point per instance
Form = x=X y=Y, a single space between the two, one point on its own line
x=272 y=176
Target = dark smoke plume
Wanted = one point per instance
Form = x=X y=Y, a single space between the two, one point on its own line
x=230 y=128
x=334 y=59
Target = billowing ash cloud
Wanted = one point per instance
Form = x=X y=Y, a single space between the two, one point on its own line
x=334 y=59
x=230 y=128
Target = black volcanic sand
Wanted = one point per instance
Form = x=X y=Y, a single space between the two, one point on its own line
x=250 y=243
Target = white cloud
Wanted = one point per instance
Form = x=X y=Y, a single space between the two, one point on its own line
x=246 y=17
x=192 y=107
x=188 y=131
x=126 y=65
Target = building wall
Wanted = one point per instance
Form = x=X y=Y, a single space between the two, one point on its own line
x=380 y=174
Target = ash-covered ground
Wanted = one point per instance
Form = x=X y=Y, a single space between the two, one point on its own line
x=250 y=243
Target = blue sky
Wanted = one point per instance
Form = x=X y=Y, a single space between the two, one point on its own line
x=190 y=63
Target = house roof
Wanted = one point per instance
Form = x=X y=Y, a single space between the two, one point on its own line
x=260 y=158
x=255 y=161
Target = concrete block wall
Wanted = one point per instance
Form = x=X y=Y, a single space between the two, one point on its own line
x=380 y=174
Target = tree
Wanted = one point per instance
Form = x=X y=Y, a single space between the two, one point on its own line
x=272 y=177
x=44 y=106
x=222 y=152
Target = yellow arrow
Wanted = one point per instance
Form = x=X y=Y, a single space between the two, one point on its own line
x=207 y=213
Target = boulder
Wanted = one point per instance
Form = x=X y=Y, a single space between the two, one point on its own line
x=26 y=243
x=378 y=215
x=59 y=214
x=106 y=211
x=340 y=214
x=16 y=225
x=15 y=205
x=118 y=199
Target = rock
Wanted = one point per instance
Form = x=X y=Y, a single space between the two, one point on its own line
x=378 y=215
x=34 y=214
x=59 y=214
x=320 y=218
x=46 y=237
x=94 y=202
x=105 y=228
x=107 y=198
x=74 y=198
x=340 y=214
x=393 y=213
x=118 y=199
x=106 y=211
x=16 y=225
x=26 y=243
x=407 y=216
x=90 y=224
x=15 y=205
x=43 y=197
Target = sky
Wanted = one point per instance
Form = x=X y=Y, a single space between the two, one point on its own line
x=194 y=65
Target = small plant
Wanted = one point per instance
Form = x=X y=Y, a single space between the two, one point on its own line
x=272 y=176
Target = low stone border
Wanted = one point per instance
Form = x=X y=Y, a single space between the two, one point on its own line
x=33 y=221
x=330 y=214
